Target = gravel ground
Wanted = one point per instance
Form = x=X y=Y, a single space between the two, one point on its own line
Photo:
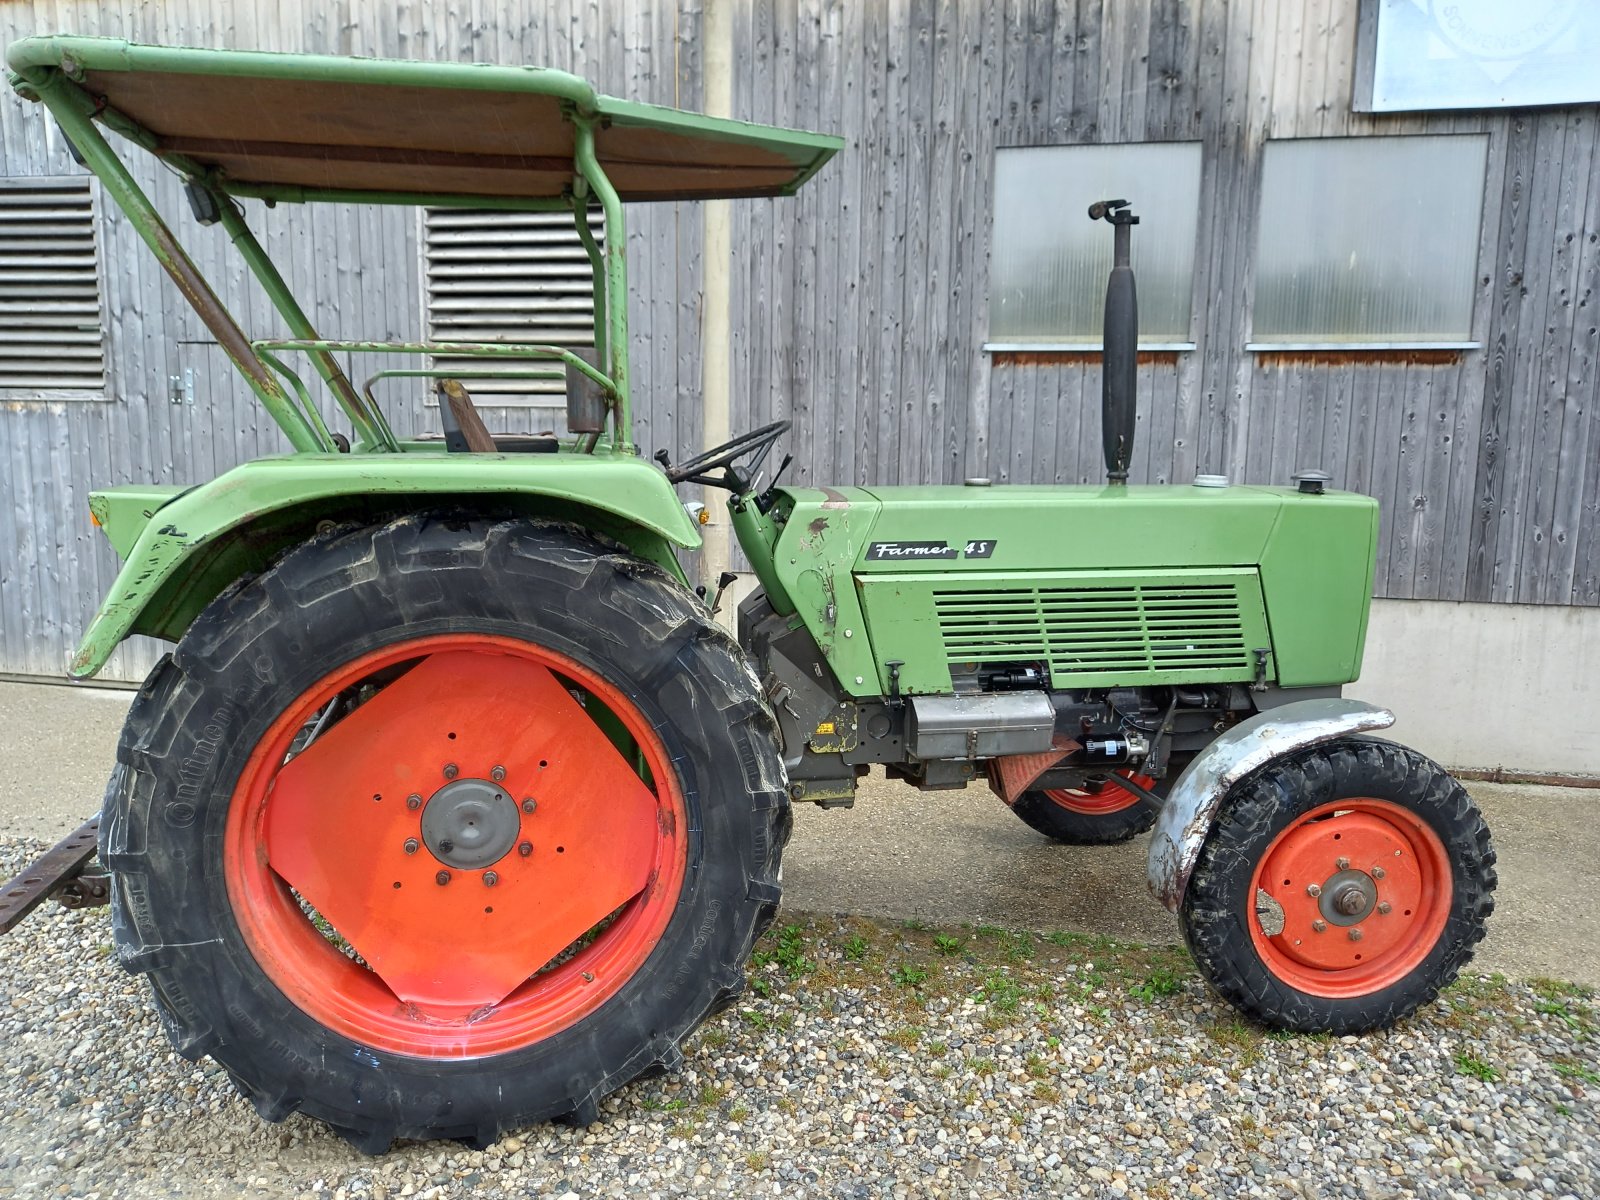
x=867 y=1061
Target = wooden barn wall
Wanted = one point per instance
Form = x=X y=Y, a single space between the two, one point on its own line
x=864 y=299
x=860 y=306
x=357 y=271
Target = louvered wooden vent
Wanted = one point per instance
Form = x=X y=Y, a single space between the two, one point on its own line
x=508 y=277
x=52 y=344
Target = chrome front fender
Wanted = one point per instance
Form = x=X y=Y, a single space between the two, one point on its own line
x=1193 y=802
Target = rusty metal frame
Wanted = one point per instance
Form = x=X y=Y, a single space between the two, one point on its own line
x=54 y=873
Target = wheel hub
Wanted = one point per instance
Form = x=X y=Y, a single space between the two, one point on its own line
x=470 y=823
x=1348 y=897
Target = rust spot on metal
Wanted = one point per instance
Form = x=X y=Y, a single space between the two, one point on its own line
x=834 y=499
x=209 y=308
x=1345 y=358
x=817 y=527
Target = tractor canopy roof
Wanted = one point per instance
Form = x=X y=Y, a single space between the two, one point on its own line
x=309 y=127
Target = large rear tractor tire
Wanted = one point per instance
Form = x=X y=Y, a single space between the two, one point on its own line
x=444 y=827
x=1340 y=888
x=1100 y=814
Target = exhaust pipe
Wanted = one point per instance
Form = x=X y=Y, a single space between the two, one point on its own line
x=1119 y=344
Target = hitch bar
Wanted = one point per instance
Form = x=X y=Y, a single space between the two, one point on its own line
x=58 y=872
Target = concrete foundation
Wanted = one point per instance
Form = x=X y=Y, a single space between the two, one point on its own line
x=1485 y=686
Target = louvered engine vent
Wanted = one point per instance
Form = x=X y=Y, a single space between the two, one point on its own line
x=1125 y=630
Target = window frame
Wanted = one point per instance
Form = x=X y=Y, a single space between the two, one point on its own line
x=77 y=395
x=992 y=345
x=1381 y=345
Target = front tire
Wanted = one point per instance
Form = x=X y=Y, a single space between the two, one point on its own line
x=1340 y=888
x=445 y=827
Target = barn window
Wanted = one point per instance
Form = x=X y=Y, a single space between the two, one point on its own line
x=1368 y=242
x=1048 y=267
x=52 y=339
x=508 y=277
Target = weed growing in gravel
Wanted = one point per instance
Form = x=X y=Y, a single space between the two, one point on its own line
x=855 y=948
x=1000 y=992
x=907 y=1037
x=947 y=945
x=907 y=976
x=1573 y=1070
x=789 y=953
x=1471 y=1064
x=1160 y=982
x=1243 y=1038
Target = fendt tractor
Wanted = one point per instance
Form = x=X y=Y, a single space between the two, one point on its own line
x=452 y=808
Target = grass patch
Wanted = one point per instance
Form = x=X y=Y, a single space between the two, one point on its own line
x=1572 y=1070
x=1239 y=1036
x=1163 y=981
x=908 y=976
x=1471 y=1064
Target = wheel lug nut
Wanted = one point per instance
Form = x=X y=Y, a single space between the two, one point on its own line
x=442 y=878
x=525 y=849
x=411 y=845
x=1319 y=926
x=1378 y=872
x=1313 y=890
x=1343 y=864
x=1385 y=908
x=490 y=879
x=1355 y=935
x=497 y=774
x=529 y=804
x=451 y=770
x=413 y=802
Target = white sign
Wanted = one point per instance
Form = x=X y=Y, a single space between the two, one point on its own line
x=1485 y=54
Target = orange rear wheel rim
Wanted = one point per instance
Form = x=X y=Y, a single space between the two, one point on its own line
x=476 y=835
x=1365 y=890
x=1110 y=797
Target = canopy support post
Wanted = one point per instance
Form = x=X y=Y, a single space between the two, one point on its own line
x=370 y=426
x=580 y=218
x=74 y=109
x=616 y=282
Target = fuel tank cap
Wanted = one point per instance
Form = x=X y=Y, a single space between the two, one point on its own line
x=977 y=481
x=1218 y=481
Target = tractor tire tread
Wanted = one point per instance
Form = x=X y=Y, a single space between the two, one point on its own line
x=651 y=606
x=1264 y=803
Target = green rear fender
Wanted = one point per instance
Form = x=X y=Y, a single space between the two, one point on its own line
x=182 y=547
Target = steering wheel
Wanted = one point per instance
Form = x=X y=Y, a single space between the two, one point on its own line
x=696 y=469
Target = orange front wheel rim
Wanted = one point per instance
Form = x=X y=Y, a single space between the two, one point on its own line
x=476 y=856
x=1351 y=898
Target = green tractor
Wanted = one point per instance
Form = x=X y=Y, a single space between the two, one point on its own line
x=452 y=808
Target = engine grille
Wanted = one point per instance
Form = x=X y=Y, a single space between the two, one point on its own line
x=1195 y=630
